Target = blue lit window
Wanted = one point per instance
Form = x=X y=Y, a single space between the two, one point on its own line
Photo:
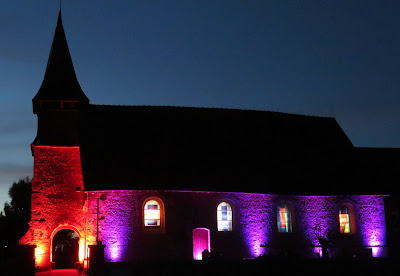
x=224 y=217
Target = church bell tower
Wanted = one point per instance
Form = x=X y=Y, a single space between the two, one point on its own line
x=58 y=200
x=60 y=97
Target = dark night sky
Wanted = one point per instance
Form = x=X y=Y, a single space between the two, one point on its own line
x=326 y=58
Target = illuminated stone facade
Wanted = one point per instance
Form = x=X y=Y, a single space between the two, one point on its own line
x=57 y=199
x=84 y=162
x=254 y=230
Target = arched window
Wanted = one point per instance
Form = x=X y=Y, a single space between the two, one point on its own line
x=284 y=219
x=224 y=217
x=153 y=214
x=346 y=219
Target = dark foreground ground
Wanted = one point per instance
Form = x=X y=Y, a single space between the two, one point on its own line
x=271 y=266
x=262 y=267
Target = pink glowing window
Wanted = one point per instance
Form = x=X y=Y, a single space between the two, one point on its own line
x=344 y=220
x=224 y=217
x=284 y=219
x=152 y=213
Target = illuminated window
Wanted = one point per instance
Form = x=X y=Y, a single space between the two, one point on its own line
x=344 y=220
x=224 y=217
x=153 y=215
x=284 y=219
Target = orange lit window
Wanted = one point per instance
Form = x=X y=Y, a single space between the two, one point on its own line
x=346 y=220
x=153 y=214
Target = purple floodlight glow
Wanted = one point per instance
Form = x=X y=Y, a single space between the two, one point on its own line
x=317 y=217
x=116 y=225
x=115 y=242
x=372 y=223
x=115 y=247
x=256 y=221
x=255 y=217
x=318 y=252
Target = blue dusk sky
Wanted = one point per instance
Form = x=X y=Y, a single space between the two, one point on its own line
x=325 y=58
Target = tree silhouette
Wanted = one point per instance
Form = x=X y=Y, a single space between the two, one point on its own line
x=17 y=213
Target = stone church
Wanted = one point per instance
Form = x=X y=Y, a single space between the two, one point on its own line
x=168 y=183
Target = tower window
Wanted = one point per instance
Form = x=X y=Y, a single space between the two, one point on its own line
x=224 y=217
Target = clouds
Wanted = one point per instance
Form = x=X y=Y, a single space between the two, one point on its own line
x=12 y=172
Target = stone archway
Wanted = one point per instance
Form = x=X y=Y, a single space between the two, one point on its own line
x=65 y=248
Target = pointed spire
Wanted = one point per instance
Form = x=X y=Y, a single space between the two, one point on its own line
x=60 y=82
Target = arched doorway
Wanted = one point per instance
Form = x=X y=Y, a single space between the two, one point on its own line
x=65 y=249
x=201 y=242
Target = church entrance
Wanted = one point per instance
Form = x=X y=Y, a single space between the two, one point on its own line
x=65 y=249
x=201 y=243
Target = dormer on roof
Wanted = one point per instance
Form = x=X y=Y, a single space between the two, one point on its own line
x=60 y=89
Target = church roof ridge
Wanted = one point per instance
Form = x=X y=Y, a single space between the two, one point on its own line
x=203 y=108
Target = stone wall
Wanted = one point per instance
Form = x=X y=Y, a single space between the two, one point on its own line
x=254 y=224
x=57 y=203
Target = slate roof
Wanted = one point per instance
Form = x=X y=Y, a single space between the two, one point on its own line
x=209 y=149
x=379 y=169
x=203 y=149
